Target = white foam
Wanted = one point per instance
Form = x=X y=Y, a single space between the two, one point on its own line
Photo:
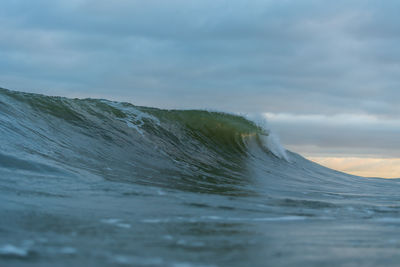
x=116 y=222
x=68 y=250
x=10 y=250
x=269 y=139
x=132 y=260
x=168 y=237
x=231 y=219
x=161 y=193
x=134 y=117
x=271 y=219
x=212 y=217
x=122 y=259
x=284 y=218
x=272 y=142
x=123 y=225
x=134 y=126
x=110 y=221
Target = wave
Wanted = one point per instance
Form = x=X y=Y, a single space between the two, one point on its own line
x=193 y=150
x=140 y=144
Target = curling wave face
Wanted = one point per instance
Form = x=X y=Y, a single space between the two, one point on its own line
x=82 y=173
x=190 y=150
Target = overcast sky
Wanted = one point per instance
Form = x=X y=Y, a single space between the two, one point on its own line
x=326 y=72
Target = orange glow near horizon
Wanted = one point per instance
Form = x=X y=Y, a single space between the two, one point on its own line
x=367 y=167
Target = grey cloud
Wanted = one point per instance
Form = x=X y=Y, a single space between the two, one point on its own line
x=278 y=56
x=338 y=135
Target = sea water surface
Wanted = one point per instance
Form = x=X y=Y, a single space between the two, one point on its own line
x=88 y=182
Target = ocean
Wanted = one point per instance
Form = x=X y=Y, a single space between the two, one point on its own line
x=92 y=182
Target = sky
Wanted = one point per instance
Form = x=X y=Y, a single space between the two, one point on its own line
x=325 y=73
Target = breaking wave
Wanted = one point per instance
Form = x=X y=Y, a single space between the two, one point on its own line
x=133 y=143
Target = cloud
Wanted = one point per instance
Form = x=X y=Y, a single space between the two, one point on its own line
x=307 y=56
x=339 y=135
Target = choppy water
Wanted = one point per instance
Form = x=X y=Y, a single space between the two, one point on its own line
x=100 y=183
